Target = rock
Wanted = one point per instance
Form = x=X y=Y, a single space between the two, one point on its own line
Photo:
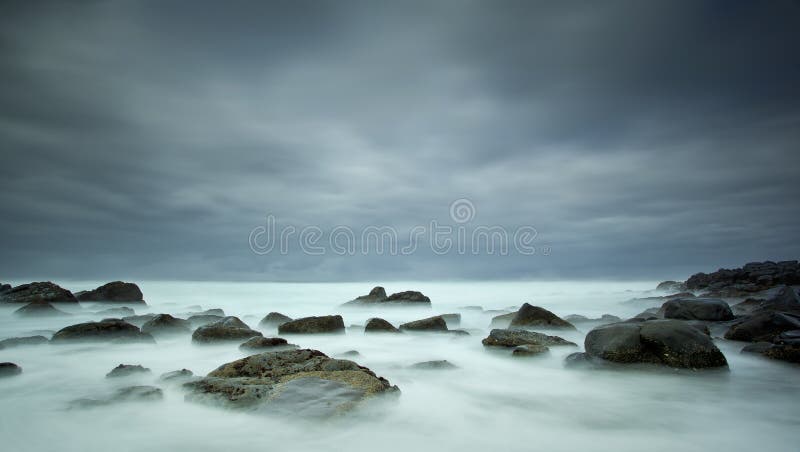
x=163 y=324
x=783 y=299
x=577 y=318
x=709 y=309
x=9 y=369
x=442 y=364
x=5 y=288
x=378 y=325
x=408 y=296
x=274 y=320
x=305 y=383
x=226 y=329
x=177 y=376
x=579 y=360
x=435 y=323
x=459 y=332
x=21 y=341
x=666 y=342
x=217 y=312
x=502 y=320
x=763 y=326
x=116 y=291
x=671 y=286
x=378 y=296
x=40 y=309
x=647 y=314
x=313 y=325
x=265 y=343
x=752 y=277
x=514 y=338
x=452 y=320
x=46 y=292
x=126 y=370
x=203 y=319
x=530 y=350
x=122 y=311
x=104 y=330
x=757 y=347
x=788 y=353
x=530 y=316
x=350 y=354
x=138 y=320
x=126 y=394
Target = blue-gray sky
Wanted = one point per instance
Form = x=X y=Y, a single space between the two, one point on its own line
x=146 y=139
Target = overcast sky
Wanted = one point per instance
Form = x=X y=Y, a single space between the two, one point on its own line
x=642 y=140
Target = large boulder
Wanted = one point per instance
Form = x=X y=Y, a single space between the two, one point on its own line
x=274 y=320
x=46 y=292
x=226 y=329
x=530 y=316
x=514 y=338
x=313 y=325
x=709 y=309
x=40 y=309
x=116 y=291
x=22 y=341
x=163 y=324
x=104 y=330
x=435 y=323
x=305 y=383
x=763 y=326
x=378 y=325
x=9 y=369
x=666 y=342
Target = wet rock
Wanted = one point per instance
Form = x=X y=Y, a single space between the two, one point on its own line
x=40 y=309
x=22 y=341
x=126 y=394
x=709 y=309
x=258 y=344
x=274 y=320
x=203 y=319
x=9 y=369
x=435 y=323
x=763 y=326
x=671 y=286
x=530 y=350
x=783 y=299
x=752 y=277
x=313 y=325
x=409 y=296
x=378 y=296
x=378 y=325
x=116 y=291
x=666 y=342
x=104 y=330
x=305 y=383
x=46 y=292
x=530 y=316
x=177 y=376
x=452 y=320
x=126 y=370
x=226 y=329
x=163 y=324
x=441 y=364
x=138 y=320
x=514 y=338
x=122 y=311
x=577 y=318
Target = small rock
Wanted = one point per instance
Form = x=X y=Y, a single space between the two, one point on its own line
x=378 y=325
x=9 y=369
x=274 y=320
x=104 y=330
x=177 y=376
x=20 y=341
x=442 y=364
x=116 y=291
x=126 y=370
x=226 y=329
x=435 y=323
x=126 y=394
x=530 y=316
x=39 y=309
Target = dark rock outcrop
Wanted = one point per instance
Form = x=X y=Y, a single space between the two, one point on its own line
x=9 y=369
x=226 y=329
x=46 y=292
x=763 y=326
x=530 y=316
x=409 y=296
x=666 y=342
x=116 y=291
x=305 y=383
x=126 y=370
x=435 y=323
x=708 y=309
x=163 y=324
x=376 y=295
x=40 y=309
x=752 y=277
x=104 y=330
x=258 y=344
x=515 y=338
x=378 y=325
x=313 y=325
x=22 y=341
x=274 y=320
x=784 y=299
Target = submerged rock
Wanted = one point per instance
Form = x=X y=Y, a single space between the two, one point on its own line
x=126 y=394
x=577 y=318
x=265 y=343
x=294 y=383
x=666 y=342
x=126 y=370
x=452 y=320
x=530 y=350
x=20 y=341
x=40 y=309
x=709 y=309
x=203 y=319
x=104 y=330
x=313 y=325
x=9 y=369
x=166 y=324
x=226 y=329
x=116 y=291
x=138 y=320
x=530 y=316
x=274 y=320
x=435 y=323
x=441 y=364
x=122 y=311
x=176 y=376
x=43 y=292
x=378 y=325
x=378 y=296
x=513 y=338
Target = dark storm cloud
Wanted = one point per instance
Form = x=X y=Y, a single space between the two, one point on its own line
x=641 y=139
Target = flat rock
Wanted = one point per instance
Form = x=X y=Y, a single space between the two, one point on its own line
x=529 y=316
x=177 y=376
x=46 y=292
x=435 y=323
x=104 y=330
x=313 y=325
x=513 y=338
x=378 y=325
x=226 y=329
x=116 y=291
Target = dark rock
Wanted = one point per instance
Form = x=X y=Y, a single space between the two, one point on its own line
x=226 y=329
x=127 y=394
x=435 y=323
x=274 y=320
x=265 y=343
x=459 y=332
x=21 y=341
x=9 y=369
x=126 y=370
x=304 y=383
x=515 y=338
x=409 y=296
x=579 y=360
x=666 y=342
x=40 y=309
x=452 y=320
x=166 y=324
x=177 y=376
x=138 y=320
x=5 y=288
x=530 y=350
x=313 y=325
x=46 y=292
x=121 y=311
x=671 y=286
x=710 y=309
x=787 y=337
x=378 y=325
x=116 y=291
x=788 y=353
x=376 y=295
x=203 y=319
x=434 y=365
x=104 y=330
x=757 y=347
x=763 y=326
x=530 y=316
x=753 y=277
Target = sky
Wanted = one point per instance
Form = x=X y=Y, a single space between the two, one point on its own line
x=638 y=139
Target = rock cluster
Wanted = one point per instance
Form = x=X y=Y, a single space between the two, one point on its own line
x=46 y=292
x=378 y=296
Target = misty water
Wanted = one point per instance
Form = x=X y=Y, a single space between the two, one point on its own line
x=491 y=402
